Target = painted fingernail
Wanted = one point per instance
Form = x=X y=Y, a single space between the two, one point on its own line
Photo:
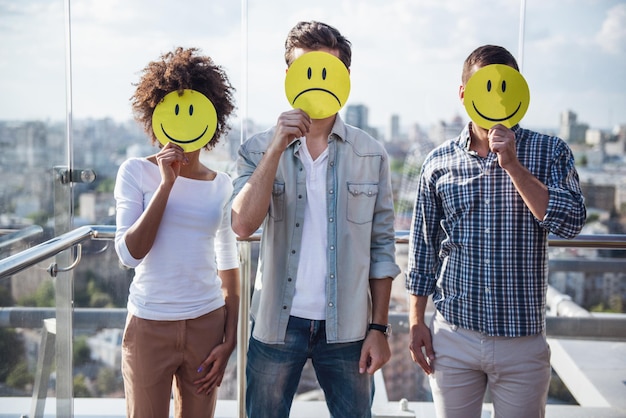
x=199 y=369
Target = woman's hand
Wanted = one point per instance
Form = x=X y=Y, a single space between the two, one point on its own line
x=213 y=368
x=169 y=159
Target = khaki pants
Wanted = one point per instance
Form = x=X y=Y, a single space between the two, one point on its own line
x=161 y=357
x=516 y=370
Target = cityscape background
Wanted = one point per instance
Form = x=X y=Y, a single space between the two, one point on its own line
x=102 y=144
x=405 y=75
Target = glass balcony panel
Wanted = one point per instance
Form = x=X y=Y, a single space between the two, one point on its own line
x=32 y=126
x=110 y=45
x=100 y=293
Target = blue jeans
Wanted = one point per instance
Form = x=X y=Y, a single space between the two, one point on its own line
x=273 y=372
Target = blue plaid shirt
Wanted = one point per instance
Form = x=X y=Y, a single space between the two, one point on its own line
x=475 y=245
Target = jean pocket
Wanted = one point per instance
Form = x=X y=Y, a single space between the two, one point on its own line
x=361 y=202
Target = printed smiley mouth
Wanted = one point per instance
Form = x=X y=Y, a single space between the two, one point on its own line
x=496 y=119
x=316 y=89
x=178 y=141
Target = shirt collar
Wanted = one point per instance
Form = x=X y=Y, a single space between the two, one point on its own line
x=464 y=138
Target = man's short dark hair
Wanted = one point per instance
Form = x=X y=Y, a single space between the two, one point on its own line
x=316 y=35
x=487 y=55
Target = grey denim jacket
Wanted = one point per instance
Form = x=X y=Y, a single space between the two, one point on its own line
x=361 y=239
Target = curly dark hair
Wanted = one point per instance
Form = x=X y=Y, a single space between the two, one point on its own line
x=176 y=71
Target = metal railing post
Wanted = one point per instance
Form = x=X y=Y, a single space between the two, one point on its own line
x=244 y=322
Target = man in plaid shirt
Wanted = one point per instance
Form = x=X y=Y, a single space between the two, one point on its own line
x=485 y=204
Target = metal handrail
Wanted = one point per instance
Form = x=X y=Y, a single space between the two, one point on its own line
x=31 y=256
x=603 y=241
x=24 y=235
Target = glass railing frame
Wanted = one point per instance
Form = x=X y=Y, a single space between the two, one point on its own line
x=562 y=327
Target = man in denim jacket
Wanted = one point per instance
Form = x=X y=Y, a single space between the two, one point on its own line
x=321 y=191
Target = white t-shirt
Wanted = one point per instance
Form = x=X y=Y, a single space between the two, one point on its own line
x=178 y=278
x=309 y=300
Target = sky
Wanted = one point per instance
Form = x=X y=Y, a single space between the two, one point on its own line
x=407 y=55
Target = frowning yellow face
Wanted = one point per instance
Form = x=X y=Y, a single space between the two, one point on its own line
x=496 y=94
x=189 y=120
x=318 y=83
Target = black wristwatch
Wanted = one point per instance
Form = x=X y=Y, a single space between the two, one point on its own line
x=385 y=329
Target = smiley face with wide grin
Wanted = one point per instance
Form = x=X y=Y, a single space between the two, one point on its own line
x=495 y=94
x=188 y=119
x=318 y=83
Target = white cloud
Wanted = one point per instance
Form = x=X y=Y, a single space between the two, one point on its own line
x=612 y=35
x=407 y=55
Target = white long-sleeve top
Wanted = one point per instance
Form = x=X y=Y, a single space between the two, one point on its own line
x=178 y=278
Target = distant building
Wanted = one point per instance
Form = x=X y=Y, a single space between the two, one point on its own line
x=570 y=130
x=357 y=115
x=94 y=207
x=615 y=145
x=394 y=128
x=106 y=347
x=443 y=131
x=599 y=196
x=595 y=137
x=416 y=133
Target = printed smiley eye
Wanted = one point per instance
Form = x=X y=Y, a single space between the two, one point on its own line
x=488 y=85
x=190 y=110
x=176 y=110
x=309 y=73
x=503 y=86
x=324 y=73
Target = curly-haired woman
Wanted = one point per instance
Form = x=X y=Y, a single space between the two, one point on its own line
x=173 y=228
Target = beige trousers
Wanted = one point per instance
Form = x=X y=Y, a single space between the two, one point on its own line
x=515 y=369
x=162 y=357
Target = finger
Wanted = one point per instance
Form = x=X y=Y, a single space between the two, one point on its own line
x=206 y=383
x=206 y=388
x=421 y=358
x=295 y=127
x=430 y=353
x=375 y=364
x=172 y=146
x=423 y=363
x=299 y=113
x=204 y=370
x=424 y=366
x=364 y=360
x=297 y=119
x=214 y=381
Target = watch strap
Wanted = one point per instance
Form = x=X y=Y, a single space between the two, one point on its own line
x=379 y=327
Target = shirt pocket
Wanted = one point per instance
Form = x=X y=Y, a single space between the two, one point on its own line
x=361 y=202
x=277 y=204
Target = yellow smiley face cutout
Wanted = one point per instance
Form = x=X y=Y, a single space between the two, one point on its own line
x=496 y=94
x=189 y=120
x=318 y=83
